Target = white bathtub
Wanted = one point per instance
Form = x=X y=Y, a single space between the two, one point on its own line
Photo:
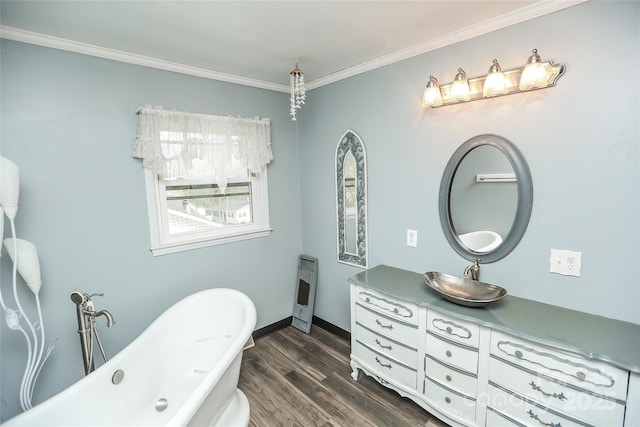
x=189 y=356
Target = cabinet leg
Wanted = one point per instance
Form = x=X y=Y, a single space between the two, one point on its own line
x=355 y=373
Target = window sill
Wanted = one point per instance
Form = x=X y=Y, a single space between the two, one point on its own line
x=171 y=248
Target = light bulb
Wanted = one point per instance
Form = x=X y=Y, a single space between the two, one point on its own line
x=534 y=74
x=495 y=83
x=432 y=96
x=460 y=88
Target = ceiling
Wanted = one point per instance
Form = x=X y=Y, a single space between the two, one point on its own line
x=258 y=42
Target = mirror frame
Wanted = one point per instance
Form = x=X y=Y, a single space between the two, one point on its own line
x=523 y=207
x=351 y=141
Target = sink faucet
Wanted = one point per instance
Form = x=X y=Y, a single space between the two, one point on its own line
x=474 y=269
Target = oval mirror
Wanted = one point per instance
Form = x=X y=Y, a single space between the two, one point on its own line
x=486 y=196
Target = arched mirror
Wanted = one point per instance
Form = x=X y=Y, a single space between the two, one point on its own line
x=351 y=200
x=486 y=196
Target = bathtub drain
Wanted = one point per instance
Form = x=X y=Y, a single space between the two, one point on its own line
x=162 y=404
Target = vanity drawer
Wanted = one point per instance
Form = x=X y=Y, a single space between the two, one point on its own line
x=397 y=309
x=525 y=412
x=453 y=354
x=388 y=368
x=566 y=399
x=454 y=329
x=498 y=419
x=443 y=397
x=386 y=326
x=597 y=377
x=389 y=348
x=452 y=378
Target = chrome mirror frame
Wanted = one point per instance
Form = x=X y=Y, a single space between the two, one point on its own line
x=351 y=142
x=524 y=203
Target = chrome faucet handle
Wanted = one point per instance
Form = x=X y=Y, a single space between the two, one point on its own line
x=97 y=294
x=474 y=269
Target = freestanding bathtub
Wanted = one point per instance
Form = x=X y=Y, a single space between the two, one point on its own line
x=182 y=370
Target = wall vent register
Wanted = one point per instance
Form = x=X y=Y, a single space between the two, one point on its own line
x=305 y=293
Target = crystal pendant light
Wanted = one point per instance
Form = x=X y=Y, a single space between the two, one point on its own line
x=296 y=80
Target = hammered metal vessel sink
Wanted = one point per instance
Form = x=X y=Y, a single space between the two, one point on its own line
x=460 y=290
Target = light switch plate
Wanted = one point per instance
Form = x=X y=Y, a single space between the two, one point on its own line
x=412 y=238
x=567 y=263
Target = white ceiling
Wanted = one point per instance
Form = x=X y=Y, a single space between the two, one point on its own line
x=257 y=42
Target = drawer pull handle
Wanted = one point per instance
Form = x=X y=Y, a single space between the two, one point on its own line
x=386 y=347
x=452 y=328
x=367 y=299
x=581 y=375
x=518 y=354
x=396 y=311
x=535 y=417
x=448 y=377
x=384 y=365
x=379 y=323
x=560 y=396
x=447 y=399
x=448 y=353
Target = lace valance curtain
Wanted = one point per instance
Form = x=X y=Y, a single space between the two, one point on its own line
x=189 y=145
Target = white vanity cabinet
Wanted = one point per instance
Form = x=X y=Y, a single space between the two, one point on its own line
x=515 y=363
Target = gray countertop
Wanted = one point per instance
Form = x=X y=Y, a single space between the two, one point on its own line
x=591 y=336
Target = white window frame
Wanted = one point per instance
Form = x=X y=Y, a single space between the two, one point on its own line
x=163 y=243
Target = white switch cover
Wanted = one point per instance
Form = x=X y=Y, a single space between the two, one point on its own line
x=412 y=238
x=565 y=262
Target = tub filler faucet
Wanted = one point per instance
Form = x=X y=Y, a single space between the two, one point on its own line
x=474 y=269
x=87 y=327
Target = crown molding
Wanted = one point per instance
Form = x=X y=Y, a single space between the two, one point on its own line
x=521 y=15
x=526 y=13
x=30 y=37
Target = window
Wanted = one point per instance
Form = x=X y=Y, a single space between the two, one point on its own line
x=202 y=187
x=189 y=214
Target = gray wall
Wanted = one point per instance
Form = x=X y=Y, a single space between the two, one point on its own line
x=581 y=145
x=69 y=122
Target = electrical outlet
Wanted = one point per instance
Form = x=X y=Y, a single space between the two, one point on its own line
x=567 y=263
x=412 y=238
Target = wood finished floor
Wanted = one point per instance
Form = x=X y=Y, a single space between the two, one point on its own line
x=297 y=379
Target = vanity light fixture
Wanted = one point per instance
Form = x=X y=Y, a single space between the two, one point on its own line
x=535 y=74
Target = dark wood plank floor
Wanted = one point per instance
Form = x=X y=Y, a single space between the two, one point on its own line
x=297 y=379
